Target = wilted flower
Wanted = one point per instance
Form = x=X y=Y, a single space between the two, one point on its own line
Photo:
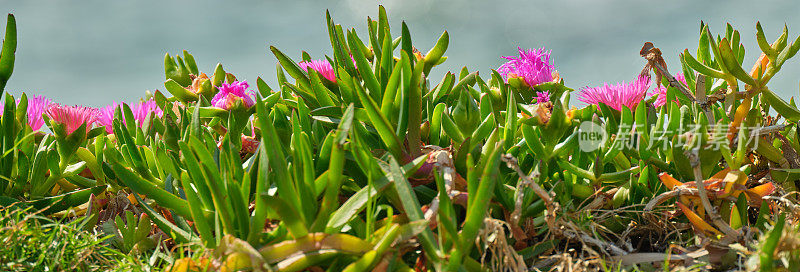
x=532 y=66
x=616 y=96
x=323 y=67
x=542 y=97
x=36 y=107
x=661 y=92
x=72 y=117
x=201 y=84
x=229 y=94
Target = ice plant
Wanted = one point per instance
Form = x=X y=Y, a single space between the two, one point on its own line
x=230 y=94
x=661 y=92
x=201 y=84
x=617 y=96
x=141 y=110
x=70 y=124
x=72 y=117
x=533 y=67
x=293 y=180
x=323 y=67
x=36 y=107
x=105 y=116
x=542 y=97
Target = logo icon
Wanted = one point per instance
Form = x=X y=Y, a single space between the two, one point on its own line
x=591 y=136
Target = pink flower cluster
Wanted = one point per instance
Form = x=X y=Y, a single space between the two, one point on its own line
x=75 y=116
x=105 y=116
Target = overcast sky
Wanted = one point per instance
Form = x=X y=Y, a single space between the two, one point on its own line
x=95 y=52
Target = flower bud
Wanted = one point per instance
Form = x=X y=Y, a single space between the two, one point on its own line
x=466 y=114
x=425 y=129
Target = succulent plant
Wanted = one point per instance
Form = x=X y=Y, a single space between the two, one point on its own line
x=359 y=161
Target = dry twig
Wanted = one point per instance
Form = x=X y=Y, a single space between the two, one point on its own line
x=560 y=228
x=701 y=188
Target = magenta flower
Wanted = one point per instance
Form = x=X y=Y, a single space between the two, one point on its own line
x=36 y=107
x=229 y=94
x=72 y=117
x=533 y=66
x=323 y=67
x=661 y=92
x=542 y=97
x=616 y=96
x=105 y=116
x=141 y=110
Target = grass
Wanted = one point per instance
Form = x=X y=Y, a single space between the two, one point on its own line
x=36 y=243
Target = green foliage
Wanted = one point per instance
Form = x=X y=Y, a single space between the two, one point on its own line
x=36 y=243
x=7 y=53
x=372 y=165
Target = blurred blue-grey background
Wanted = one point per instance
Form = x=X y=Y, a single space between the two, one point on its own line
x=94 y=52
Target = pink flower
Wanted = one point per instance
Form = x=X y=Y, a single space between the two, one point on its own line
x=105 y=115
x=141 y=110
x=36 y=107
x=661 y=92
x=323 y=67
x=229 y=94
x=542 y=97
x=616 y=96
x=533 y=66
x=72 y=117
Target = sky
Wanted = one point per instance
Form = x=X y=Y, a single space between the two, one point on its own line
x=95 y=52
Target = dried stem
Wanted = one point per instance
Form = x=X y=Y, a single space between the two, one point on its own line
x=444 y=163
x=701 y=189
x=512 y=163
x=767 y=130
x=680 y=190
x=567 y=229
x=551 y=206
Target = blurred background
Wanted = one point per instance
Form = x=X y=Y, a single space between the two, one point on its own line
x=96 y=52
